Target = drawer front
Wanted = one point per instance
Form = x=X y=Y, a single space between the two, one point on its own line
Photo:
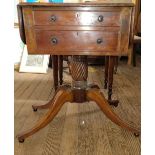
x=76 y=18
x=74 y=41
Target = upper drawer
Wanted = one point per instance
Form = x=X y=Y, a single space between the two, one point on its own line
x=82 y=18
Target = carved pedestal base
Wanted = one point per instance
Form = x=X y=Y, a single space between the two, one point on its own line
x=63 y=95
x=79 y=92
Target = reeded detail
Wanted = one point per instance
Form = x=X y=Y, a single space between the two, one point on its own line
x=79 y=67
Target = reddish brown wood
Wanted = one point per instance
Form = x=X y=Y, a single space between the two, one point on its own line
x=83 y=18
x=98 y=97
x=79 y=73
x=77 y=41
x=107 y=68
x=110 y=63
x=85 y=23
x=79 y=66
x=93 y=86
x=110 y=81
x=110 y=76
x=106 y=71
x=35 y=107
x=60 y=69
x=21 y=24
x=76 y=29
x=79 y=95
x=63 y=95
x=43 y=106
x=55 y=71
x=131 y=37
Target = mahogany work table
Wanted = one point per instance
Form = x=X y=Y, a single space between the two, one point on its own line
x=77 y=29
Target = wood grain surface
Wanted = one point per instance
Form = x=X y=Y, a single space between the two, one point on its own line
x=81 y=18
x=78 y=129
x=76 y=29
x=75 y=41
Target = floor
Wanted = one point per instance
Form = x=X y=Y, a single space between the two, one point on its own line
x=78 y=129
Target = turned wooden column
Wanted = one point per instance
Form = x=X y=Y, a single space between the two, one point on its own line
x=106 y=72
x=60 y=69
x=110 y=75
x=116 y=64
x=55 y=70
x=79 y=72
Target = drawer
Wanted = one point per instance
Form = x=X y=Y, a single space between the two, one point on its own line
x=72 y=41
x=76 y=18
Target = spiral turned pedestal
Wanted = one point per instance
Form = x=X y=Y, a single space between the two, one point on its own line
x=79 y=72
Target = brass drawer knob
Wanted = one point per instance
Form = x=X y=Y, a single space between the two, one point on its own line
x=100 y=18
x=53 y=18
x=54 y=41
x=99 y=41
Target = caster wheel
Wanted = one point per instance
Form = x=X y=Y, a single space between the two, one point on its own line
x=115 y=104
x=136 y=134
x=21 y=140
x=35 y=109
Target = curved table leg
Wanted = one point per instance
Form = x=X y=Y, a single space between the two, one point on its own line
x=98 y=97
x=35 y=107
x=93 y=86
x=63 y=95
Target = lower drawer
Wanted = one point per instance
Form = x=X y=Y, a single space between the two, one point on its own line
x=76 y=41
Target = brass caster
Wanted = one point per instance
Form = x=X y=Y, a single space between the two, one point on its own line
x=34 y=109
x=136 y=134
x=113 y=102
x=21 y=140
